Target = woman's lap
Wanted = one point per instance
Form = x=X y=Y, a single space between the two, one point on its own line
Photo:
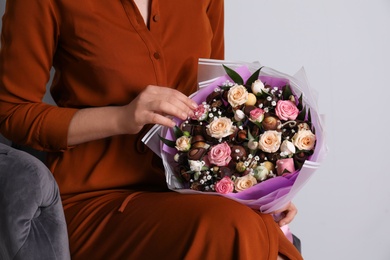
x=169 y=225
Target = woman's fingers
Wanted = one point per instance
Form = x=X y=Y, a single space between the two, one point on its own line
x=156 y=105
x=288 y=214
x=171 y=102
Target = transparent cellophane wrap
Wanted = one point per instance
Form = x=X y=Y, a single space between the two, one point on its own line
x=270 y=195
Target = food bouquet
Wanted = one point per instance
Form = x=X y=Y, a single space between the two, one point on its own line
x=256 y=137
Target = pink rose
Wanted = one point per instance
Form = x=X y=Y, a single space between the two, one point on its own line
x=224 y=186
x=285 y=166
x=220 y=154
x=257 y=115
x=201 y=112
x=286 y=110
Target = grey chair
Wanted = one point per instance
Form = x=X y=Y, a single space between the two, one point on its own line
x=32 y=221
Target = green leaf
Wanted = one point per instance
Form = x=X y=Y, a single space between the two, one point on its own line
x=309 y=116
x=169 y=143
x=263 y=94
x=302 y=114
x=299 y=106
x=205 y=168
x=234 y=75
x=250 y=136
x=177 y=131
x=287 y=92
x=253 y=77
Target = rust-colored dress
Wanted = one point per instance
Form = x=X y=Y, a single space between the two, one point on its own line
x=114 y=193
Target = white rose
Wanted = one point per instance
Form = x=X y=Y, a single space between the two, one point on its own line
x=196 y=166
x=220 y=127
x=287 y=148
x=252 y=144
x=237 y=95
x=257 y=86
x=239 y=115
x=304 y=140
x=183 y=143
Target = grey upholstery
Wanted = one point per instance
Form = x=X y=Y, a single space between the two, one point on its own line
x=32 y=222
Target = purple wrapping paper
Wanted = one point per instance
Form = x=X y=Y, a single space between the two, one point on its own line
x=272 y=194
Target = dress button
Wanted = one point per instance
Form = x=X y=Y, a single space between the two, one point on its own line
x=156 y=18
x=156 y=55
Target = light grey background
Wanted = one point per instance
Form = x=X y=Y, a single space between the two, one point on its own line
x=344 y=45
x=344 y=210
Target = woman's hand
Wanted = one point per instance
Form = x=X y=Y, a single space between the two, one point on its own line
x=155 y=105
x=286 y=215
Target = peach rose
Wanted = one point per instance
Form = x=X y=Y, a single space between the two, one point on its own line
x=304 y=140
x=237 y=95
x=220 y=127
x=286 y=110
x=285 y=166
x=183 y=143
x=244 y=182
x=220 y=154
x=270 y=141
x=224 y=186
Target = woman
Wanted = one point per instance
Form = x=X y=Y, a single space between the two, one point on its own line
x=120 y=67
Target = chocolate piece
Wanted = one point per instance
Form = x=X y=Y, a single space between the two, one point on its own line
x=215 y=95
x=185 y=175
x=216 y=103
x=255 y=131
x=270 y=123
x=225 y=171
x=186 y=127
x=248 y=109
x=198 y=141
x=198 y=130
x=197 y=186
x=196 y=154
x=242 y=135
x=273 y=157
x=238 y=153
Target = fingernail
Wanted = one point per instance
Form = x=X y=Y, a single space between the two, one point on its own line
x=194 y=105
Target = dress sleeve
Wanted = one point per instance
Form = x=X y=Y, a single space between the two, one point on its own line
x=29 y=38
x=215 y=12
